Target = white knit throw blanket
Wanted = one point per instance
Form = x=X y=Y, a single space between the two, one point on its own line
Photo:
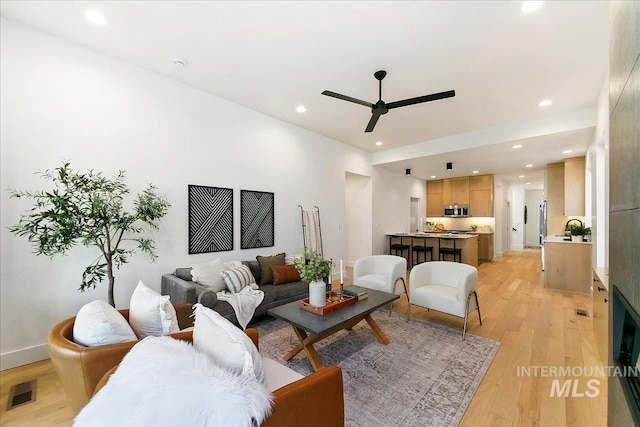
x=244 y=303
x=312 y=236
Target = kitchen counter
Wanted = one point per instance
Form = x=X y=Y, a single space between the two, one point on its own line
x=567 y=266
x=434 y=235
x=467 y=242
x=560 y=239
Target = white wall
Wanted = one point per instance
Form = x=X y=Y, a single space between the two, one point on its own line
x=358 y=217
x=517 y=217
x=392 y=193
x=63 y=102
x=598 y=173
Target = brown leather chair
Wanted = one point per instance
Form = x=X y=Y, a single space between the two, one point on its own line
x=315 y=400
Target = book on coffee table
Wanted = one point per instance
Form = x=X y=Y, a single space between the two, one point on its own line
x=356 y=291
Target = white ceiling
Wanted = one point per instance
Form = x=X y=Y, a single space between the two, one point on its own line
x=274 y=56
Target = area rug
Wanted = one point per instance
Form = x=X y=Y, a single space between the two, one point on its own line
x=426 y=376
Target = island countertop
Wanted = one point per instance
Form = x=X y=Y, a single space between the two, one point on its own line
x=435 y=235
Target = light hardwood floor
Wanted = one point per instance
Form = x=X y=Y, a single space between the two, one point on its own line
x=535 y=326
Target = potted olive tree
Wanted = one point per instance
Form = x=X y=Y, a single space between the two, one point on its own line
x=88 y=208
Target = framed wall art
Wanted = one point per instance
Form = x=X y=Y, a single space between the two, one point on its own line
x=210 y=219
x=256 y=219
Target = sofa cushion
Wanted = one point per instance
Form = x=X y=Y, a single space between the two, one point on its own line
x=210 y=274
x=278 y=375
x=151 y=314
x=227 y=345
x=285 y=291
x=98 y=323
x=284 y=274
x=237 y=278
x=165 y=382
x=266 y=262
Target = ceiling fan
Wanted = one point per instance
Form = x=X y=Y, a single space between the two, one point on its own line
x=381 y=107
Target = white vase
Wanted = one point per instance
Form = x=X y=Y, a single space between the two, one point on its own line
x=579 y=238
x=317 y=294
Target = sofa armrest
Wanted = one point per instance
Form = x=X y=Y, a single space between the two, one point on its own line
x=180 y=291
x=208 y=298
x=316 y=400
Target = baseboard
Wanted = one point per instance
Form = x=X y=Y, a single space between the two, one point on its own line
x=499 y=254
x=517 y=247
x=25 y=356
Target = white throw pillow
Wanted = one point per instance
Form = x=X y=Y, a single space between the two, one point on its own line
x=151 y=314
x=98 y=323
x=166 y=382
x=209 y=274
x=226 y=344
x=237 y=278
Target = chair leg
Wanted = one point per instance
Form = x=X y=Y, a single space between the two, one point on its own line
x=404 y=285
x=408 y=310
x=478 y=305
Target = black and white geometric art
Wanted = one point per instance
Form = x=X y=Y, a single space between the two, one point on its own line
x=256 y=219
x=210 y=219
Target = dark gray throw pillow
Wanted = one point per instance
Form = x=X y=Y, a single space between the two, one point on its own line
x=184 y=274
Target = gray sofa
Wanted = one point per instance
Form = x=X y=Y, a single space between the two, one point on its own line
x=181 y=289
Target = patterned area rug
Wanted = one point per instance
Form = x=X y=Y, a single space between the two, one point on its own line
x=426 y=376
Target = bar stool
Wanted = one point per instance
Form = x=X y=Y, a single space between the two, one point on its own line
x=449 y=251
x=418 y=249
x=399 y=247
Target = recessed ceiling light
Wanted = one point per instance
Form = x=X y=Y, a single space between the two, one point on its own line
x=476 y=171
x=96 y=16
x=527 y=183
x=521 y=176
x=545 y=103
x=301 y=109
x=530 y=6
x=179 y=62
x=567 y=151
x=379 y=143
x=528 y=166
x=433 y=176
x=516 y=146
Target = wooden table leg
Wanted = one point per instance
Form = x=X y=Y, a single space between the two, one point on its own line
x=306 y=344
x=382 y=338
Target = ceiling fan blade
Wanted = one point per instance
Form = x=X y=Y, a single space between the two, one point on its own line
x=420 y=99
x=372 y=122
x=347 y=98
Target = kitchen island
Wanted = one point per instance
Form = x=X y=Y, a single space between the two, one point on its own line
x=567 y=265
x=467 y=242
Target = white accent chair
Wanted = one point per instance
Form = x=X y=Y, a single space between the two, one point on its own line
x=382 y=273
x=445 y=286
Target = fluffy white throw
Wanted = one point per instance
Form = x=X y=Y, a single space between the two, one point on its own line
x=166 y=382
x=244 y=303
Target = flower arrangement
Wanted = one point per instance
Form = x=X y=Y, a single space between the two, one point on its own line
x=312 y=267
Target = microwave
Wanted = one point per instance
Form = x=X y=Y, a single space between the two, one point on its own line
x=456 y=211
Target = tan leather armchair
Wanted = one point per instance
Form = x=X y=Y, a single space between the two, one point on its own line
x=316 y=400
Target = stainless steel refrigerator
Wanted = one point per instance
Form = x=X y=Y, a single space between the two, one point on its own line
x=542 y=233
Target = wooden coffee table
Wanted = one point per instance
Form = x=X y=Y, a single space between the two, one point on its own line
x=311 y=328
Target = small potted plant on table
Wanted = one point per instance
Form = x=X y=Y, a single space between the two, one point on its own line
x=578 y=232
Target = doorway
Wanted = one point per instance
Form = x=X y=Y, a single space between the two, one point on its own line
x=414 y=214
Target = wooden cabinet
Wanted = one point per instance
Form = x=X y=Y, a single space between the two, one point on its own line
x=434 y=198
x=567 y=266
x=456 y=191
x=574 y=186
x=485 y=247
x=481 y=195
x=565 y=188
x=601 y=312
x=554 y=185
